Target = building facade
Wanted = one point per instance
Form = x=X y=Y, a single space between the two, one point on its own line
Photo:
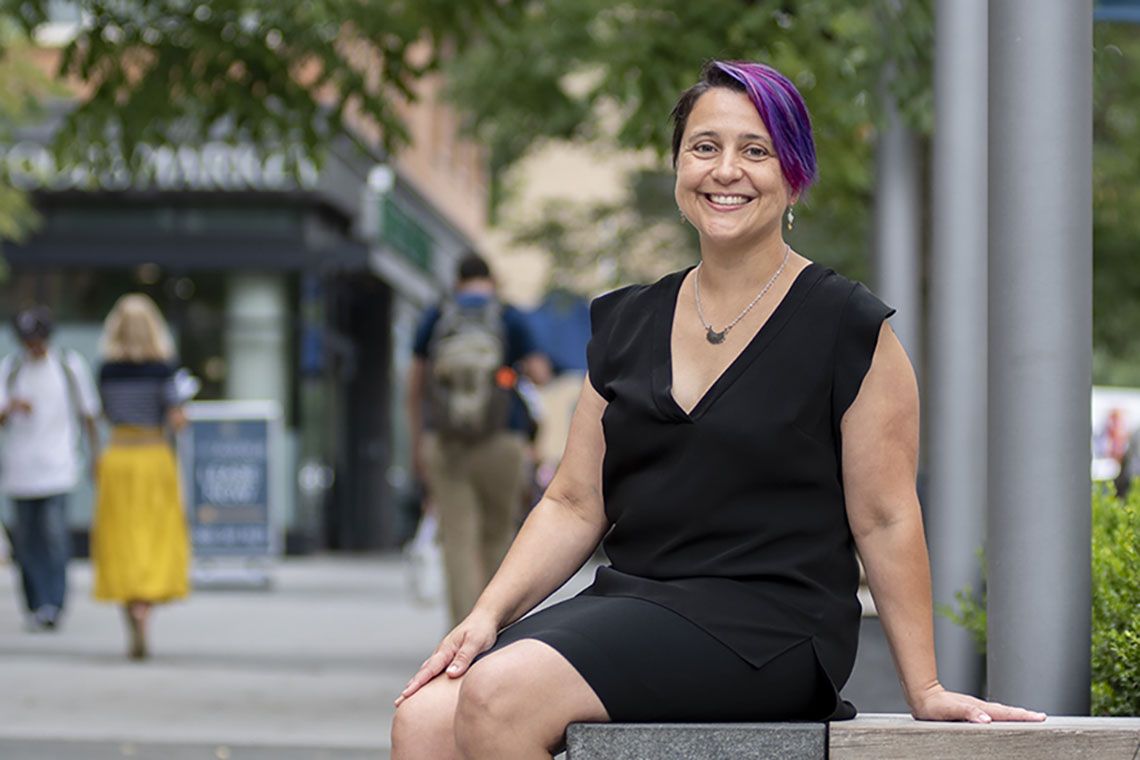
x=280 y=280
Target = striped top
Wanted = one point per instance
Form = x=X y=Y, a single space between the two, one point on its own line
x=137 y=394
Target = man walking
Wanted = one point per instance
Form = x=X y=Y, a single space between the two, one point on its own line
x=44 y=397
x=469 y=450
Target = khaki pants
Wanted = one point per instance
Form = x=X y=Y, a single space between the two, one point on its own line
x=475 y=489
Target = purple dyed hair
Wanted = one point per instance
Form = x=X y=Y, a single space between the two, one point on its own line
x=777 y=101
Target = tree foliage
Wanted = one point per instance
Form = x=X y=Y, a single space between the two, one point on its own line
x=1116 y=205
x=271 y=73
x=259 y=71
x=599 y=70
x=21 y=87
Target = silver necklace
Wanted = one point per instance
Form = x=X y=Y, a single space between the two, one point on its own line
x=717 y=337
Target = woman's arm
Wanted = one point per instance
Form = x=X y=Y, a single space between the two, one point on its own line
x=880 y=463
x=176 y=418
x=557 y=538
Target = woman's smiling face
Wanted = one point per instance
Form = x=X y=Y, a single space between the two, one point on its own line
x=730 y=184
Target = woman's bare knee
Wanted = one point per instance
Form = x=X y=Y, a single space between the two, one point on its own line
x=424 y=725
x=521 y=698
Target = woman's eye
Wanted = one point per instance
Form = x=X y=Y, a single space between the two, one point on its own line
x=757 y=152
x=704 y=148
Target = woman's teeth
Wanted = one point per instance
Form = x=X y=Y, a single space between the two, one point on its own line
x=728 y=200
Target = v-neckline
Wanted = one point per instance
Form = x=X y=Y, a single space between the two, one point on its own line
x=662 y=390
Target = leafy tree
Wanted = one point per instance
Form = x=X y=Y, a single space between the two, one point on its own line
x=21 y=86
x=572 y=69
x=259 y=71
x=1116 y=205
x=271 y=73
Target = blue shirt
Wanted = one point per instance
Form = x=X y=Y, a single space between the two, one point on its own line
x=137 y=393
x=519 y=337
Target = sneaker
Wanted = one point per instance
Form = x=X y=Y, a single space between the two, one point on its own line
x=48 y=617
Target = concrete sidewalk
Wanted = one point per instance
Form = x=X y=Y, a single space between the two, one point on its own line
x=312 y=665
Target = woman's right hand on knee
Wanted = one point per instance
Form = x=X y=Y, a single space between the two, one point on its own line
x=475 y=635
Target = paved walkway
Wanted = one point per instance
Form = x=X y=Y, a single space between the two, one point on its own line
x=307 y=670
x=313 y=663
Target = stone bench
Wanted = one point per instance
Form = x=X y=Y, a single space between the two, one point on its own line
x=867 y=737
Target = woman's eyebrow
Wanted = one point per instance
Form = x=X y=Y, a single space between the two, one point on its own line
x=704 y=133
x=746 y=137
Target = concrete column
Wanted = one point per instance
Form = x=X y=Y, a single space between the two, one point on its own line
x=257 y=331
x=1040 y=352
x=898 y=229
x=956 y=386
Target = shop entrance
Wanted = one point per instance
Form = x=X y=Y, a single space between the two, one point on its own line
x=360 y=515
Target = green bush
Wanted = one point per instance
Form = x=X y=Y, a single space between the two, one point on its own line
x=1115 y=656
x=1116 y=602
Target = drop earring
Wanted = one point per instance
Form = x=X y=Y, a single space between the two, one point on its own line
x=791 y=218
x=684 y=219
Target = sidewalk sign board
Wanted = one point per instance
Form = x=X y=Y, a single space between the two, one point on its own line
x=230 y=455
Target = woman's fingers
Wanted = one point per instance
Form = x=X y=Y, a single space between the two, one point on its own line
x=431 y=668
x=949 y=705
x=998 y=711
x=454 y=655
x=471 y=648
x=977 y=715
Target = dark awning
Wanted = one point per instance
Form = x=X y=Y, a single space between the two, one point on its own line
x=187 y=233
x=220 y=253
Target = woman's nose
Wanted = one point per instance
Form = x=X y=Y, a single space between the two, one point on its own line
x=728 y=166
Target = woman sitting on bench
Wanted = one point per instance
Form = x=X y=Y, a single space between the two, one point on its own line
x=746 y=425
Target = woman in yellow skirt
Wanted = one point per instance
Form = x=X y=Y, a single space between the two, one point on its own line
x=140 y=549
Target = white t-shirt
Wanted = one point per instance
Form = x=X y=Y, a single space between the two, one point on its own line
x=40 y=454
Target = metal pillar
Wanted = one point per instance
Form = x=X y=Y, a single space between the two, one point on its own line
x=1040 y=352
x=956 y=385
x=257 y=330
x=898 y=228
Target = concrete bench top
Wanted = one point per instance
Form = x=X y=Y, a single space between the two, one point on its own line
x=891 y=737
x=868 y=737
x=696 y=741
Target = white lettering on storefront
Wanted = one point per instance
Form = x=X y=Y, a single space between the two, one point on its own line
x=214 y=166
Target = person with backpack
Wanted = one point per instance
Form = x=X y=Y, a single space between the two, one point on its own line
x=46 y=396
x=469 y=425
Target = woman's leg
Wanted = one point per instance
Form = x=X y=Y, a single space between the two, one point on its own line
x=517 y=703
x=514 y=704
x=30 y=542
x=452 y=493
x=138 y=615
x=424 y=726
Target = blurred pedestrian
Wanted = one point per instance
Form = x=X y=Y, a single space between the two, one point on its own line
x=46 y=396
x=139 y=543
x=1129 y=465
x=470 y=448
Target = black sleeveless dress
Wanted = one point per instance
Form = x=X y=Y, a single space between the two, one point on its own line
x=731 y=593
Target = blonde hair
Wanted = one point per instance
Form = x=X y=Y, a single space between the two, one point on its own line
x=135 y=331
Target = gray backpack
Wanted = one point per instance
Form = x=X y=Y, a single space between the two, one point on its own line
x=467 y=351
